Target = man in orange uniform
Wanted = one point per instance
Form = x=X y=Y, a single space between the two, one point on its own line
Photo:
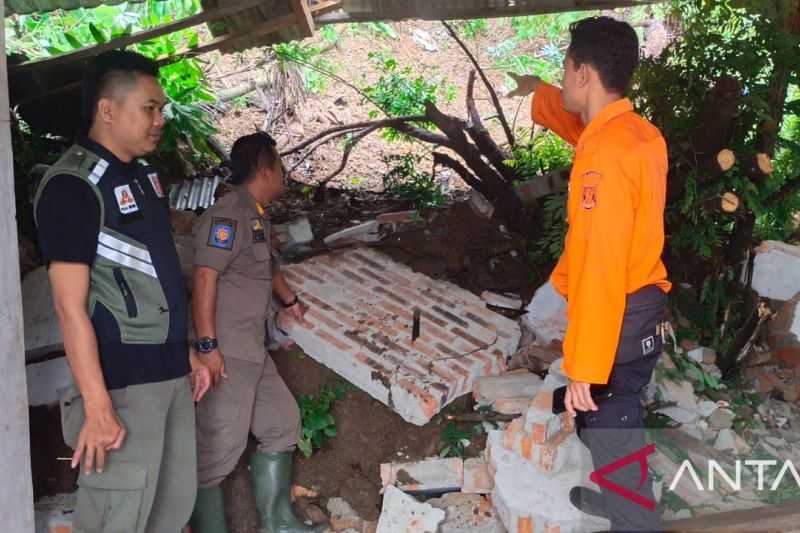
x=610 y=271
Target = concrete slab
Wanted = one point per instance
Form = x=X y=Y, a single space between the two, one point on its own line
x=547 y=315
x=403 y=514
x=508 y=385
x=467 y=513
x=42 y=332
x=360 y=325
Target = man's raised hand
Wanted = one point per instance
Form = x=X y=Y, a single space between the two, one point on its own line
x=525 y=84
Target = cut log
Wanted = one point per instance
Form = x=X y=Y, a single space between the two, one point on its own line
x=756 y=166
x=726 y=203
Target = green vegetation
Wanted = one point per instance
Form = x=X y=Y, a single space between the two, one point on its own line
x=405 y=181
x=455 y=439
x=318 y=422
x=308 y=59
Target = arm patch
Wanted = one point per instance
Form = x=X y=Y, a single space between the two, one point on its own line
x=222 y=233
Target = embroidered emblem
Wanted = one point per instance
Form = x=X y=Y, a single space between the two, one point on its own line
x=153 y=177
x=222 y=233
x=125 y=199
x=589 y=197
x=258 y=231
x=648 y=345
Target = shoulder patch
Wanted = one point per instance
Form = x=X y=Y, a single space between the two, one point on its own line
x=222 y=233
x=258 y=231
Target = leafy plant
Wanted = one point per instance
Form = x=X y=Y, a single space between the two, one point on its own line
x=405 y=181
x=318 y=423
x=398 y=92
x=473 y=28
x=455 y=440
x=307 y=58
x=383 y=30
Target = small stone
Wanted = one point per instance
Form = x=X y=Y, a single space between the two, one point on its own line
x=725 y=440
x=703 y=355
x=776 y=441
x=722 y=418
x=682 y=394
x=706 y=408
x=679 y=414
x=315 y=514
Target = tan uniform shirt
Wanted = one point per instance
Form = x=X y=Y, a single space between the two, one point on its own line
x=232 y=237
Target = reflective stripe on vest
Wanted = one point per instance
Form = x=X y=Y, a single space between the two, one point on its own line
x=125 y=254
x=97 y=172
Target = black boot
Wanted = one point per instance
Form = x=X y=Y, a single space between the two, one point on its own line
x=588 y=501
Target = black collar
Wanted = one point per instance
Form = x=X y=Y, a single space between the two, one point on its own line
x=106 y=154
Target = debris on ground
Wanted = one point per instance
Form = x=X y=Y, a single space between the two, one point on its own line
x=403 y=514
x=429 y=476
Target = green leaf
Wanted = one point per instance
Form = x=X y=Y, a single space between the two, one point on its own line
x=304 y=445
x=73 y=41
x=97 y=34
x=194 y=40
x=330 y=431
x=54 y=51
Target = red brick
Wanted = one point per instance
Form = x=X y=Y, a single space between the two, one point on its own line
x=525 y=524
x=327 y=337
x=306 y=274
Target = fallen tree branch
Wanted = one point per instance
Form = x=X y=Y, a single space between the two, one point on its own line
x=351 y=143
x=495 y=100
x=383 y=123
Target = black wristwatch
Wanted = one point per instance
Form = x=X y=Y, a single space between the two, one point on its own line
x=206 y=345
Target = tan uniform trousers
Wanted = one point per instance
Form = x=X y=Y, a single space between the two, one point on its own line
x=254 y=399
x=148 y=485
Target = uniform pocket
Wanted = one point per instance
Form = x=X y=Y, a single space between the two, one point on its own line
x=71 y=404
x=127 y=294
x=111 y=502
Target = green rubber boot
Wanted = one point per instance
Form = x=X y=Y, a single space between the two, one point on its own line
x=208 y=515
x=272 y=475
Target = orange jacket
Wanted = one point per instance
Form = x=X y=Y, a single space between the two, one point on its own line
x=615 y=213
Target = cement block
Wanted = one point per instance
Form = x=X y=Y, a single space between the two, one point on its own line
x=42 y=332
x=547 y=315
x=508 y=385
x=477 y=478
x=501 y=300
x=434 y=475
x=360 y=325
x=403 y=514
x=776 y=270
x=292 y=234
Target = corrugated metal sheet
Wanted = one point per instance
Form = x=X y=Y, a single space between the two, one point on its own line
x=192 y=194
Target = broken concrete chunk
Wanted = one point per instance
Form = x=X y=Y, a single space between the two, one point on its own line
x=480 y=205
x=706 y=408
x=679 y=414
x=366 y=232
x=42 y=332
x=776 y=270
x=294 y=233
x=681 y=394
x=510 y=385
x=784 y=333
x=360 y=325
x=505 y=301
x=722 y=418
x=511 y=406
x=477 y=478
x=467 y=513
x=547 y=315
x=729 y=440
x=703 y=355
x=343 y=517
x=403 y=514
x=434 y=475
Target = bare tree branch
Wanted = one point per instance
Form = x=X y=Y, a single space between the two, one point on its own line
x=384 y=123
x=481 y=136
x=351 y=143
x=495 y=100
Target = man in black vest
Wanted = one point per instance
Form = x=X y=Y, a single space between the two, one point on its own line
x=104 y=230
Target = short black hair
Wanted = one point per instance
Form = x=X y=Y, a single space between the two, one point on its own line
x=611 y=46
x=250 y=153
x=105 y=72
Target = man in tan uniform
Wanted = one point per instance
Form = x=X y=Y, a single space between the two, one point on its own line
x=235 y=276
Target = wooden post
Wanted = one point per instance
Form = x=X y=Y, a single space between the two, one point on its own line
x=16 y=490
x=305 y=22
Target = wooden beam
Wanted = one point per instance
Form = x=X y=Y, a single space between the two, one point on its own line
x=304 y=19
x=264 y=28
x=122 y=42
x=783 y=517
